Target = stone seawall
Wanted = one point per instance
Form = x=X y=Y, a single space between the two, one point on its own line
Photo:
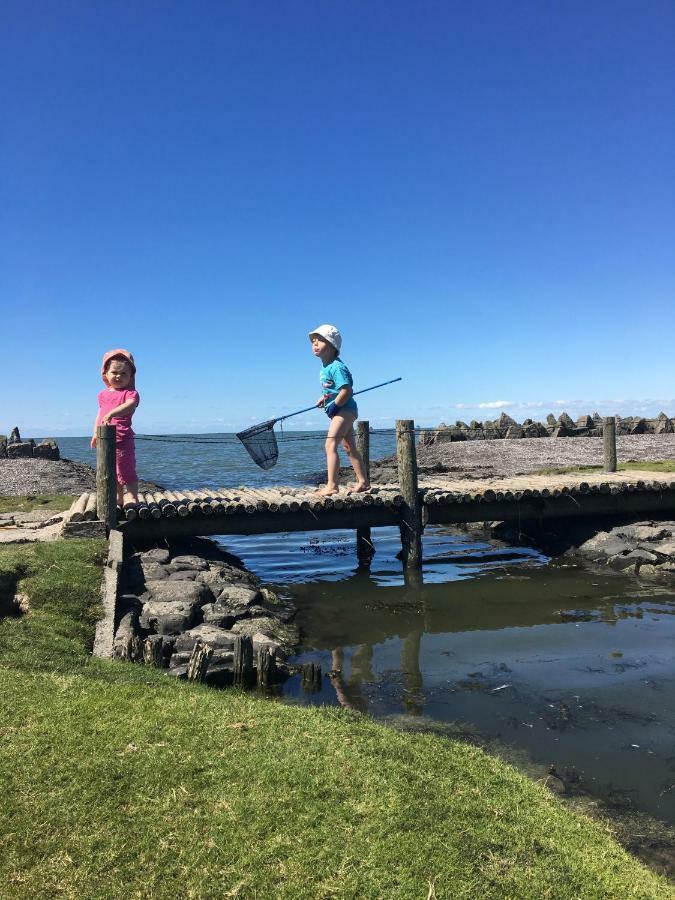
x=563 y=426
x=14 y=447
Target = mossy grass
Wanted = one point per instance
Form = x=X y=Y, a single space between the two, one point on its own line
x=30 y=502
x=120 y=782
x=659 y=465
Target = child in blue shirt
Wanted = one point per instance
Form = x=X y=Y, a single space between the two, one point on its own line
x=340 y=407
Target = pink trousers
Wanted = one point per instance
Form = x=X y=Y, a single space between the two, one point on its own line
x=125 y=458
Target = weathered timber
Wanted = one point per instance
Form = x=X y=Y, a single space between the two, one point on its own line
x=106 y=477
x=609 y=443
x=411 y=509
x=198 y=663
x=78 y=507
x=89 y=514
x=153 y=651
x=267 y=667
x=243 y=660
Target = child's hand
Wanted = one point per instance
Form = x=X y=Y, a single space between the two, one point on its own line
x=92 y=443
x=320 y=402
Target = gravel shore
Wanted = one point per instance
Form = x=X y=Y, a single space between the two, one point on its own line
x=21 y=477
x=490 y=459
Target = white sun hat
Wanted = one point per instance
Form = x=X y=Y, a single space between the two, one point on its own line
x=330 y=334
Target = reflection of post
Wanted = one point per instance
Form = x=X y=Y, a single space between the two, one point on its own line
x=348 y=696
x=364 y=547
x=412 y=676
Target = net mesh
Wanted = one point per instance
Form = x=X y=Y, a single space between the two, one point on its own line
x=261 y=444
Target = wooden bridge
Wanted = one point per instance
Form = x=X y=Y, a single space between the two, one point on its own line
x=409 y=504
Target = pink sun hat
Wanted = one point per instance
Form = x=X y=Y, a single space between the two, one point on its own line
x=119 y=354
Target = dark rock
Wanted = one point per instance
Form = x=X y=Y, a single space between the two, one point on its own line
x=565 y=421
x=157 y=555
x=639 y=427
x=47 y=449
x=183 y=575
x=584 y=422
x=15 y=437
x=218 y=638
x=627 y=560
x=188 y=562
x=179 y=592
x=514 y=431
x=551 y=420
x=535 y=430
x=597 y=418
x=505 y=421
x=664 y=426
x=3 y=446
x=20 y=449
x=475 y=426
x=168 y=617
x=460 y=424
x=561 y=431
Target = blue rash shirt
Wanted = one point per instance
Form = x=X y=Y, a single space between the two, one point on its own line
x=333 y=377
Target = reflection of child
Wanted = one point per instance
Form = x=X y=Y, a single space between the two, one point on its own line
x=340 y=407
x=116 y=405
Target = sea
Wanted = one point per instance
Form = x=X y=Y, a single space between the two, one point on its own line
x=558 y=667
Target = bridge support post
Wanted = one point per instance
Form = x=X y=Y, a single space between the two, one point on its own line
x=106 y=476
x=411 y=511
x=364 y=547
x=609 y=443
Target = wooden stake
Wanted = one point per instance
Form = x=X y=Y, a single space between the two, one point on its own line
x=199 y=661
x=267 y=666
x=609 y=443
x=411 y=508
x=106 y=477
x=364 y=546
x=243 y=660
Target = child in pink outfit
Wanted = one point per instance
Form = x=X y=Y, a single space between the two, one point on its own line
x=116 y=405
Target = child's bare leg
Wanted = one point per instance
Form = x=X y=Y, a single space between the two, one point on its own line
x=339 y=426
x=130 y=494
x=120 y=494
x=355 y=458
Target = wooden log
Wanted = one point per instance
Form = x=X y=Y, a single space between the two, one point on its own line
x=411 y=508
x=199 y=661
x=142 y=508
x=203 y=505
x=267 y=667
x=79 y=505
x=181 y=505
x=153 y=506
x=153 y=651
x=166 y=506
x=609 y=443
x=90 y=508
x=106 y=476
x=243 y=660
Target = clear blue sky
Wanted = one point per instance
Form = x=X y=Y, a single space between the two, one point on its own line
x=480 y=195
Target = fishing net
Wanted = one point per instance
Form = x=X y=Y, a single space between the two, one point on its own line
x=261 y=444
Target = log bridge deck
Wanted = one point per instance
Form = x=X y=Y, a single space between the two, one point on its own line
x=523 y=498
x=410 y=504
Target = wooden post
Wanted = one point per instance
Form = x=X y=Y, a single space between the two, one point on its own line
x=199 y=661
x=106 y=476
x=609 y=443
x=243 y=660
x=267 y=666
x=153 y=651
x=364 y=547
x=411 y=510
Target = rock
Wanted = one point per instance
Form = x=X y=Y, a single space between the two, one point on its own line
x=639 y=427
x=47 y=449
x=584 y=422
x=535 y=430
x=628 y=560
x=475 y=426
x=561 y=431
x=505 y=421
x=219 y=616
x=565 y=420
x=179 y=592
x=168 y=617
x=605 y=543
x=15 y=437
x=597 y=418
x=287 y=636
x=514 y=431
x=157 y=555
x=667 y=548
x=127 y=631
x=239 y=596
x=640 y=532
x=20 y=449
x=218 y=638
x=188 y=562
x=183 y=575
x=551 y=420
x=3 y=446
x=664 y=426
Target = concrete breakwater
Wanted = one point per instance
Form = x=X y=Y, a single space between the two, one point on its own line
x=563 y=426
x=191 y=604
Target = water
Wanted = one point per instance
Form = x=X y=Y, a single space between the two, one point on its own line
x=569 y=667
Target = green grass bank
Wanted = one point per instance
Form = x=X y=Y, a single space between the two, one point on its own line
x=119 y=782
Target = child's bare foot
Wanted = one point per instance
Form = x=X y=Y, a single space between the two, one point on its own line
x=360 y=487
x=327 y=489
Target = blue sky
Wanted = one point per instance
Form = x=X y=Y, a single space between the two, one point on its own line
x=480 y=195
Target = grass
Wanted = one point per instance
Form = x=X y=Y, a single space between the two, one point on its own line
x=659 y=465
x=119 y=782
x=51 y=502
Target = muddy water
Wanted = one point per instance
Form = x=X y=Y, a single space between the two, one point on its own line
x=572 y=669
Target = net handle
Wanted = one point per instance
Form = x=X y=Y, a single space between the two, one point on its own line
x=308 y=408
